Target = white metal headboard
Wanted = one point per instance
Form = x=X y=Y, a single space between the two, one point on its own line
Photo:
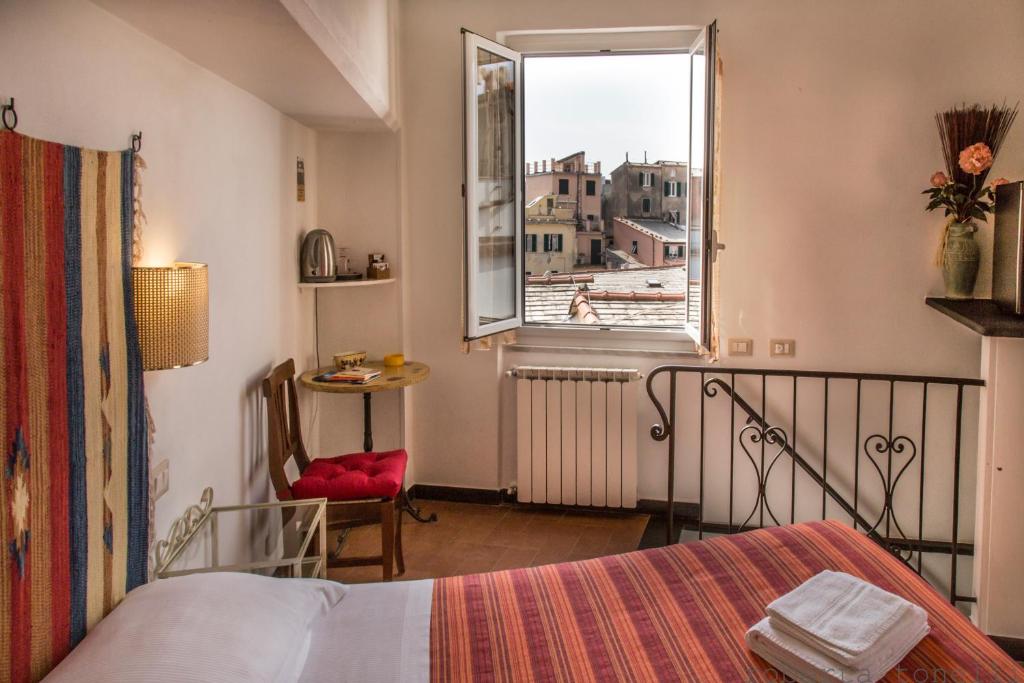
x=182 y=530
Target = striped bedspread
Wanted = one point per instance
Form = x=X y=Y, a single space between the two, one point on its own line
x=678 y=613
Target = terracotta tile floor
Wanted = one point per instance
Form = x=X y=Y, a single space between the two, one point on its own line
x=469 y=538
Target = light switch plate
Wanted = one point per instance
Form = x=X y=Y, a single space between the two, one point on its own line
x=741 y=346
x=160 y=478
x=782 y=348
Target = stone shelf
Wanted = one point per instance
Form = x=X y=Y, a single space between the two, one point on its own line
x=981 y=315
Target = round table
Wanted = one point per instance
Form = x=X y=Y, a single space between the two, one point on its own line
x=390 y=378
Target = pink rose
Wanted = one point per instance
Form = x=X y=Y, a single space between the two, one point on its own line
x=939 y=179
x=997 y=182
x=976 y=159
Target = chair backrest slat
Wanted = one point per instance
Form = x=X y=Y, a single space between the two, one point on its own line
x=284 y=437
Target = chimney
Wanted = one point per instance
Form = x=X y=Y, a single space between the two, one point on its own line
x=597 y=167
x=627 y=157
x=645 y=156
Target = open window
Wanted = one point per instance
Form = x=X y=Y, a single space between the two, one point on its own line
x=511 y=199
x=702 y=240
x=493 y=187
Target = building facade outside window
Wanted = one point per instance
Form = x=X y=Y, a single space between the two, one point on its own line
x=553 y=242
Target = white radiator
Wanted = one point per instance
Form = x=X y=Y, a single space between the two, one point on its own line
x=576 y=436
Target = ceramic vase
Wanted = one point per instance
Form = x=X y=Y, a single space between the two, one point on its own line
x=960 y=258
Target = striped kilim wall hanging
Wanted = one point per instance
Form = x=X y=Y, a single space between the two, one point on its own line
x=74 y=493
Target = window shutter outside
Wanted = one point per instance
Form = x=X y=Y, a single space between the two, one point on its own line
x=560 y=237
x=547 y=242
x=667 y=189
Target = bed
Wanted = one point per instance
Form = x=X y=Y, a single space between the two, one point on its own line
x=675 y=613
x=671 y=614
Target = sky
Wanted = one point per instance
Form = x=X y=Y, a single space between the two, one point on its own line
x=606 y=106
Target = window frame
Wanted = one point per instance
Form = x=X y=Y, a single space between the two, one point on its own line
x=708 y=38
x=473 y=328
x=592 y=42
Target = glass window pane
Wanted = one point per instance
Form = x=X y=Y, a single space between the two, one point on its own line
x=698 y=116
x=495 y=188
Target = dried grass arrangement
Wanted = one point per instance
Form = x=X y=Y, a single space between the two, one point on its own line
x=971 y=137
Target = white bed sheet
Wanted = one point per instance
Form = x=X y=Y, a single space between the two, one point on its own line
x=380 y=633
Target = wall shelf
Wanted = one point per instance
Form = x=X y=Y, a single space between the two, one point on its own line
x=345 y=283
x=980 y=315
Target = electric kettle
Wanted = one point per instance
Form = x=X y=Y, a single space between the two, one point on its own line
x=317 y=261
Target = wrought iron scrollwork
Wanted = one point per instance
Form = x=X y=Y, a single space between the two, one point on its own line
x=771 y=436
x=890 y=475
x=660 y=430
x=182 y=530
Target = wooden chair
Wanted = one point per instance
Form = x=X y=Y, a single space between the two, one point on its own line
x=361 y=488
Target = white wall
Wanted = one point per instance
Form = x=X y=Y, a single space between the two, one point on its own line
x=828 y=140
x=358 y=37
x=220 y=188
x=1000 y=553
x=360 y=206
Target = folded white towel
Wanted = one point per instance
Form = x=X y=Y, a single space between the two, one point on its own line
x=851 y=621
x=805 y=664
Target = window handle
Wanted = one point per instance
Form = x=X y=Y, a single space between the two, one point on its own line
x=716 y=246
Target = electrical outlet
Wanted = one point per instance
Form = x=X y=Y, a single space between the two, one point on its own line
x=780 y=348
x=160 y=479
x=741 y=346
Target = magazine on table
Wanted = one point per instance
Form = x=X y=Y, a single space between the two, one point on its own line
x=356 y=375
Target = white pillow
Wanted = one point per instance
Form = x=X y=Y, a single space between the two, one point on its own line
x=221 y=626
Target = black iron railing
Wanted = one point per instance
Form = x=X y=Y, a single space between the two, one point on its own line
x=739 y=428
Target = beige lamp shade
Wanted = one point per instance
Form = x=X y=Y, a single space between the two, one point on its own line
x=172 y=308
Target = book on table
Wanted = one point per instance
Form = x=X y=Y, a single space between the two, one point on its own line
x=356 y=375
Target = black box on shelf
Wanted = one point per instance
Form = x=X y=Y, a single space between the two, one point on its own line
x=1008 y=248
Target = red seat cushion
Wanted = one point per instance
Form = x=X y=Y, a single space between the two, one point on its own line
x=354 y=476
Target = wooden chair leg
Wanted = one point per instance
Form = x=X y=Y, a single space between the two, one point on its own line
x=387 y=538
x=398 y=540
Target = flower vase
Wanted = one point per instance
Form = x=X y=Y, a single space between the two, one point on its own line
x=960 y=259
